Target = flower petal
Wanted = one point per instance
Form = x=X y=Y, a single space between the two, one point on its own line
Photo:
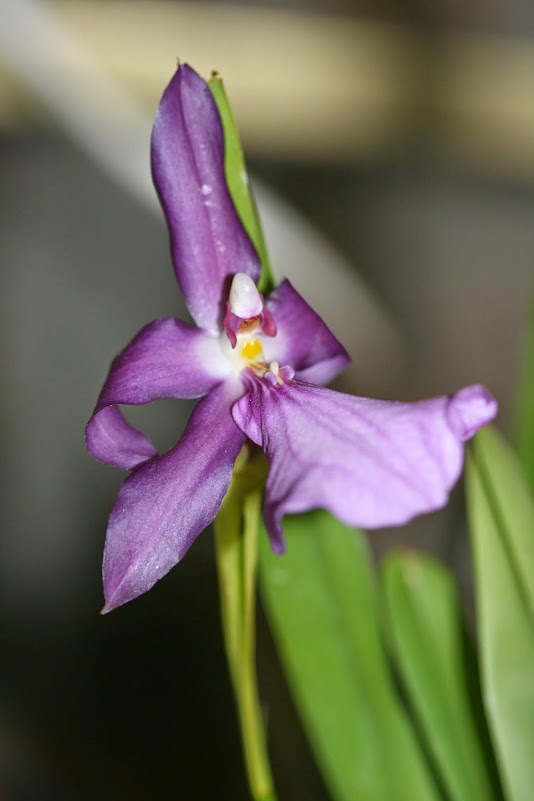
x=167 y=359
x=113 y=441
x=208 y=241
x=303 y=339
x=371 y=463
x=164 y=504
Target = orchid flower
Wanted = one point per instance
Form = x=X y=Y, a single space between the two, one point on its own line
x=258 y=365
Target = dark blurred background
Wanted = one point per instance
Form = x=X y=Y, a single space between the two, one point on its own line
x=393 y=149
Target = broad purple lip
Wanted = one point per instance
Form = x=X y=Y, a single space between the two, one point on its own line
x=371 y=463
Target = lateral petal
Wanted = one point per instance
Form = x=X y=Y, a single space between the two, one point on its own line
x=303 y=340
x=113 y=441
x=167 y=359
x=371 y=463
x=208 y=241
x=164 y=504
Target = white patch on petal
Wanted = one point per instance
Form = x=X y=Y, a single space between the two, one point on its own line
x=206 y=189
x=216 y=363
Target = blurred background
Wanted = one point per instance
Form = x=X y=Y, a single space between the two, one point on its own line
x=392 y=147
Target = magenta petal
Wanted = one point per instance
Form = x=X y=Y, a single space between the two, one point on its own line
x=167 y=359
x=163 y=505
x=303 y=340
x=371 y=463
x=208 y=241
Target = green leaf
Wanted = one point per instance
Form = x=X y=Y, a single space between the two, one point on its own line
x=502 y=530
x=524 y=412
x=512 y=506
x=238 y=183
x=321 y=605
x=426 y=631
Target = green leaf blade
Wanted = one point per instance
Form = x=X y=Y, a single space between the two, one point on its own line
x=501 y=525
x=524 y=411
x=425 y=625
x=512 y=506
x=320 y=602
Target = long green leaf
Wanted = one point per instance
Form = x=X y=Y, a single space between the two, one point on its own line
x=502 y=531
x=512 y=505
x=320 y=602
x=238 y=182
x=425 y=626
x=524 y=412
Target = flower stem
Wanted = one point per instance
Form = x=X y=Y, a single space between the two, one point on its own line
x=236 y=539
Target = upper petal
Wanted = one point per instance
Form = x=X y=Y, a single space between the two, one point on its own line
x=371 y=463
x=208 y=241
x=163 y=505
x=303 y=339
x=167 y=359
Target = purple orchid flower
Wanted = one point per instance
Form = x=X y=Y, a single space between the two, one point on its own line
x=258 y=365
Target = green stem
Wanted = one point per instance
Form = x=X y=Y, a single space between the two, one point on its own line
x=236 y=538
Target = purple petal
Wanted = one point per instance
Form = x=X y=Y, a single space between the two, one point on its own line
x=208 y=241
x=371 y=463
x=303 y=340
x=112 y=440
x=167 y=359
x=163 y=505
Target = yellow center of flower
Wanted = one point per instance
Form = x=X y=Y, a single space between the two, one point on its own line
x=251 y=349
